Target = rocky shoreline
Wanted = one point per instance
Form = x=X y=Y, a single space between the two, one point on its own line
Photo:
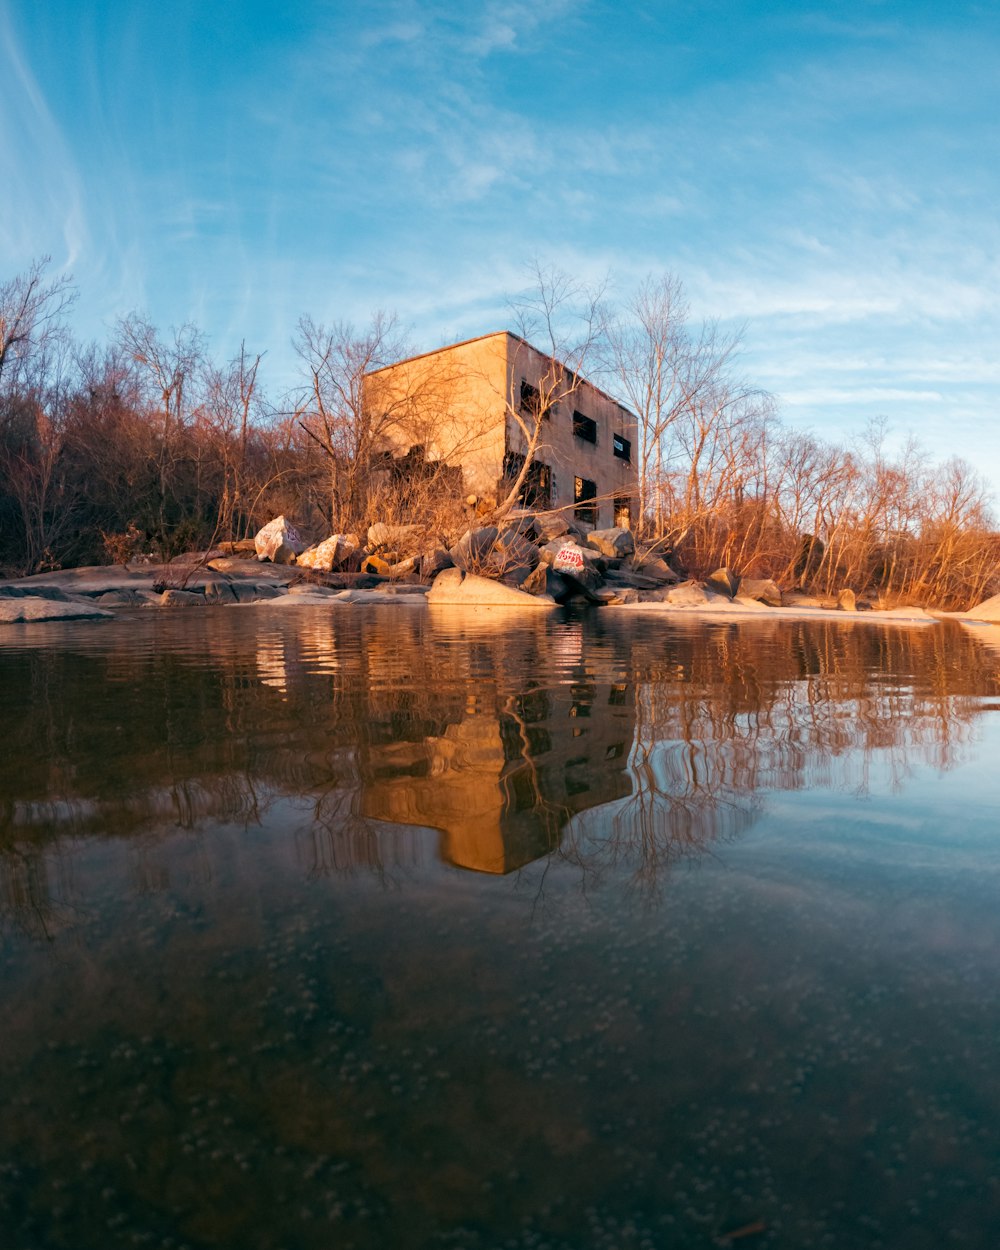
x=534 y=563
x=103 y=592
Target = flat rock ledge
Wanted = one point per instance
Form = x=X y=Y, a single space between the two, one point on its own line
x=453 y=588
x=33 y=608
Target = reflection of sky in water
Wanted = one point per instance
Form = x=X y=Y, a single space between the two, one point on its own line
x=754 y=987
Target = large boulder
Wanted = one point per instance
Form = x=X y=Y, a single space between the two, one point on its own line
x=551 y=525
x=433 y=562
x=453 y=588
x=279 y=541
x=847 y=601
x=329 y=554
x=988 y=610
x=615 y=543
x=512 y=559
x=474 y=548
x=655 y=568
x=724 y=582
x=577 y=565
x=26 y=608
x=761 y=589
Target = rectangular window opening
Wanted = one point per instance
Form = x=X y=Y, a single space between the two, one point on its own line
x=531 y=401
x=585 y=499
x=623 y=511
x=536 y=489
x=622 y=447
x=584 y=427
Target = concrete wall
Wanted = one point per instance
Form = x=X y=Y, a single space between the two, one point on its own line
x=568 y=455
x=460 y=392
x=466 y=396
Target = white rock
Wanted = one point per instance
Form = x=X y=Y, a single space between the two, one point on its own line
x=279 y=541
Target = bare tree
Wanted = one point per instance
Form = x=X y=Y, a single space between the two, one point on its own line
x=170 y=369
x=562 y=318
x=364 y=416
x=233 y=409
x=680 y=382
x=31 y=312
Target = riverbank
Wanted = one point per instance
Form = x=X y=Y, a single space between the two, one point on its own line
x=102 y=591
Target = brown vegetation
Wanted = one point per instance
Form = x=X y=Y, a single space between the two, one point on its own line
x=145 y=446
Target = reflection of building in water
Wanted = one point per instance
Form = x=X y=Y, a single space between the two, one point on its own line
x=501 y=784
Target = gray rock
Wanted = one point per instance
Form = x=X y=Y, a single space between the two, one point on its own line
x=846 y=601
x=523 y=524
x=181 y=599
x=474 y=547
x=29 y=608
x=254 y=592
x=434 y=562
x=219 y=591
x=313 y=591
x=615 y=543
x=763 y=589
x=550 y=525
x=53 y=593
x=724 y=582
x=120 y=599
x=655 y=568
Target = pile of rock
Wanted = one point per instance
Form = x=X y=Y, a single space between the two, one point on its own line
x=543 y=554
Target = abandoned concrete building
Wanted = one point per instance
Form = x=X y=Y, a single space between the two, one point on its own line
x=473 y=404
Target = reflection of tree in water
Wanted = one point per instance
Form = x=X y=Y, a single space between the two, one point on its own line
x=344 y=730
x=724 y=714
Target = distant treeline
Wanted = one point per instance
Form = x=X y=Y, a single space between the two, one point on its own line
x=145 y=444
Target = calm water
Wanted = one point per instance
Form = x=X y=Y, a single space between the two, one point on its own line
x=369 y=928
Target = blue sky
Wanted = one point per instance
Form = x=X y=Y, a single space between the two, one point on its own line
x=827 y=176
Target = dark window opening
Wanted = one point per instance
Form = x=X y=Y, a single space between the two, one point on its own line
x=622 y=447
x=536 y=489
x=584 y=497
x=531 y=401
x=584 y=427
x=623 y=512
